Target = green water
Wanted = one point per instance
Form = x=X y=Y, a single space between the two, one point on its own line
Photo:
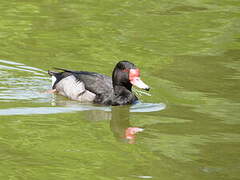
x=188 y=52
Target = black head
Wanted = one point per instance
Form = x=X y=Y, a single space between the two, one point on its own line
x=126 y=74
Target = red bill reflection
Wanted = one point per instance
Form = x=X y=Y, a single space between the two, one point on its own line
x=130 y=134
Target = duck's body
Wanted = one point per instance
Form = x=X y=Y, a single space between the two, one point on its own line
x=98 y=88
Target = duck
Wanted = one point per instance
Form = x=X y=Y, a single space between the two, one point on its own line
x=98 y=88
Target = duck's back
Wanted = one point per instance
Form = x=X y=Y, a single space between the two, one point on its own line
x=83 y=86
x=95 y=82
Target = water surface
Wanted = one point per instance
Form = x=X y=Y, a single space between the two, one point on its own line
x=188 y=52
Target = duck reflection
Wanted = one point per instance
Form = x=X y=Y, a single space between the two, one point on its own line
x=119 y=117
x=120 y=124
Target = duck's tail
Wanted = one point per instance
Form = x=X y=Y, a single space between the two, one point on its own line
x=64 y=70
x=52 y=73
x=57 y=76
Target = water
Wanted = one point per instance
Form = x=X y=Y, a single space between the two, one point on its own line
x=188 y=52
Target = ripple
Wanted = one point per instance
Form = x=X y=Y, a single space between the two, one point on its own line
x=142 y=107
x=21 y=82
x=147 y=107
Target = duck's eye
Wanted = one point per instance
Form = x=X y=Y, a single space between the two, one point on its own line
x=126 y=70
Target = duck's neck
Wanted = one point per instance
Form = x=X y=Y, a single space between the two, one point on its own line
x=119 y=89
x=123 y=95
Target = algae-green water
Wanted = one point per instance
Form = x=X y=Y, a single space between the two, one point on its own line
x=189 y=54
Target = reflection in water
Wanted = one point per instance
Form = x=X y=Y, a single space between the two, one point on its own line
x=120 y=124
x=119 y=116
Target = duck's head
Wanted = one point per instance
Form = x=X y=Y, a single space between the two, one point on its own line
x=127 y=74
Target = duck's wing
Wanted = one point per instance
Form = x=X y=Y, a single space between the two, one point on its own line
x=96 y=83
